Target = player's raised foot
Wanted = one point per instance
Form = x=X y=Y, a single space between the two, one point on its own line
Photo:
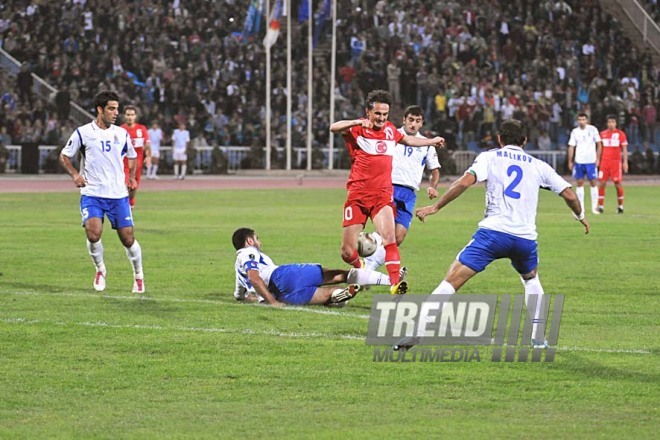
x=138 y=286
x=99 y=281
x=619 y=210
x=405 y=344
x=601 y=210
x=342 y=295
x=538 y=343
x=400 y=288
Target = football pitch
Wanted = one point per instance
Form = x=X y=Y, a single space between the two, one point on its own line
x=188 y=361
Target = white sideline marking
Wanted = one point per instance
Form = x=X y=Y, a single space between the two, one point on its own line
x=310 y=309
x=247 y=331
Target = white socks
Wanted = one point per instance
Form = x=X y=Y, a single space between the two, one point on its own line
x=375 y=260
x=594 y=198
x=366 y=277
x=184 y=168
x=177 y=168
x=444 y=288
x=134 y=254
x=533 y=287
x=96 y=252
x=580 y=193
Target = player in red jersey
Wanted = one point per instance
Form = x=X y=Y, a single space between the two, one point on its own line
x=370 y=142
x=140 y=137
x=611 y=164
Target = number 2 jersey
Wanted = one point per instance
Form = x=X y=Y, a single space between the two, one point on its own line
x=513 y=179
x=102 y=159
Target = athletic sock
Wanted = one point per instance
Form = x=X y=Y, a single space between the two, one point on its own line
x=134 y=254
x=177 y=167
x=354 y=260
x=580 y=193
x=444 y=288
x=366 y=277
x=393 y=262
x=594 y=197
x=619 y=196
x=601 y=196
x=184 y=169
x=533 y=287
x=375 y=260
x=154 y=170
x=96 y=252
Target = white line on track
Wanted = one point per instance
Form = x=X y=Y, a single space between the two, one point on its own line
x=247 y=330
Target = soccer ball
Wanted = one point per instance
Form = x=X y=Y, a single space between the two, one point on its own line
x=367 y=244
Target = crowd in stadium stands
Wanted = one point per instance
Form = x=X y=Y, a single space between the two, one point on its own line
x=469 y=64
x=652 y=9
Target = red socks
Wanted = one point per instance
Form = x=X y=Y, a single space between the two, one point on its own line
x=393 y=262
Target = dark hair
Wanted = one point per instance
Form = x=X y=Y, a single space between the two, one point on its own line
x=130 y=107
x=102 y=98
x=513 y=132
x=414 y=110
x=582 y=114
x=611 y=116
x=240 y=237
x=378 y=96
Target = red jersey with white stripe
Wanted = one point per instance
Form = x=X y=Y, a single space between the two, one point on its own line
x=613 y=143
x=371 y=154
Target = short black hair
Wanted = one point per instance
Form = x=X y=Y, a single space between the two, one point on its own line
x=102 y=98
x=513 y=132
x=378 y=96
x=414 y=110
x=582 y=114
x=611 y=116
x=240 y=236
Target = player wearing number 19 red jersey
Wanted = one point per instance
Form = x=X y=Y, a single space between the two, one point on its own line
x=140 y=138
x=371 y=142
x=611 y=165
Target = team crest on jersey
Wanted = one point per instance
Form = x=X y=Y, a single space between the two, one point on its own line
x=381 y=147
x=139 y=132
x=116 y=140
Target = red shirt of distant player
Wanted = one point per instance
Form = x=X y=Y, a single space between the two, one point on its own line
x=370 y=181
x=610 y=162
x=139 y=135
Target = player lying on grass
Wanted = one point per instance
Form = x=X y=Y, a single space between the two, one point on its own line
x=296 y=284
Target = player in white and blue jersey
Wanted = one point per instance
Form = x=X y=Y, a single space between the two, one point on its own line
x=296 y=284
x=101 y=180
x=584 y=151
x=508 y=230
x=408 y=166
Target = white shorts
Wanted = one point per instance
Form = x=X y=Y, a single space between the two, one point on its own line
x=179 y=155
x=155 y=154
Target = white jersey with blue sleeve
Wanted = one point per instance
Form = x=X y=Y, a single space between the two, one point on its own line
x=250 y=258
x=408 y=163
x=103 y=152
x=513 y=179
x=584 y=140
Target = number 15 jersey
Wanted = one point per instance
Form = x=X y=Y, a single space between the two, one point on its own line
x=513 y=179
x=102 y=152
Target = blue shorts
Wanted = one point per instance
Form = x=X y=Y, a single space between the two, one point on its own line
x=295 y=283
x=585 y=169
x=404 y=200
x=117 y=210
x=487 y=245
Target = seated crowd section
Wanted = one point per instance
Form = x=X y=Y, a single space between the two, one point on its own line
x=469 y=64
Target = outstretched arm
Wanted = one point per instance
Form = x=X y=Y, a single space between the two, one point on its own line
x=572 y=201
x=414 y=141
x=455 y=190
x=262 y=289
x=342 y=126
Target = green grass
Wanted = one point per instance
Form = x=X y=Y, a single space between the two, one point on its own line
x=190 y=362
